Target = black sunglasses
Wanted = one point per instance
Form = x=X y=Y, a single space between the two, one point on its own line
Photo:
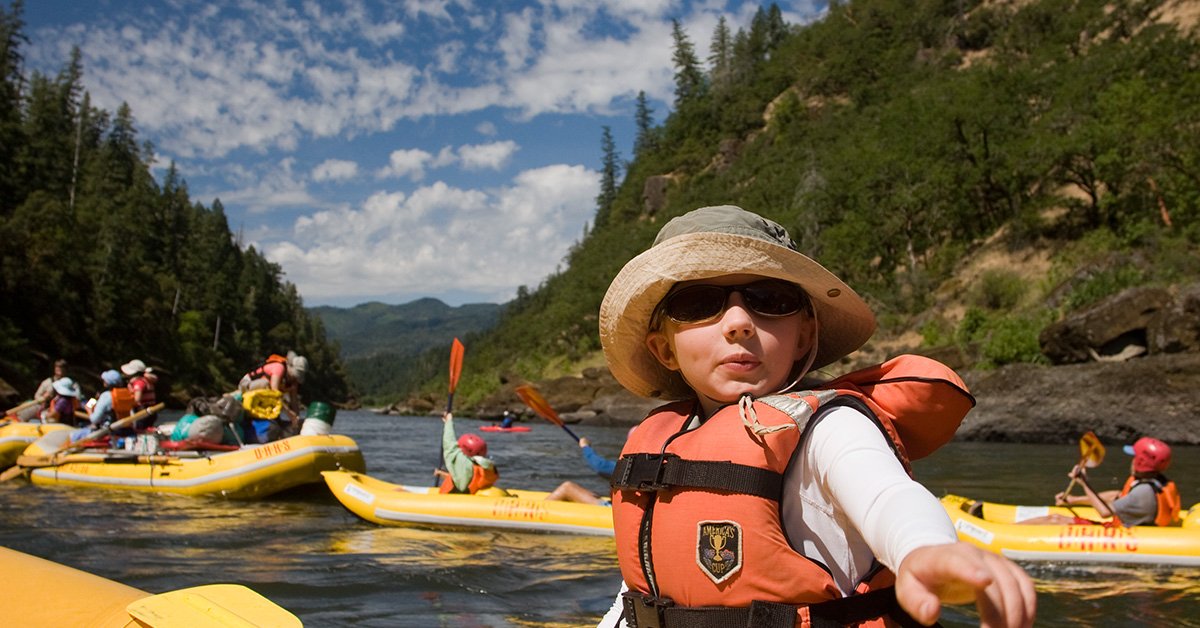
x=702 y=302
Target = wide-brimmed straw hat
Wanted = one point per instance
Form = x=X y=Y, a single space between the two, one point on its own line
x=712 y=242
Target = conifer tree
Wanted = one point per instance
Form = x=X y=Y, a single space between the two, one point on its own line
x=689 y=79
x=720 y=58
x=608 y=178
x=644 y=119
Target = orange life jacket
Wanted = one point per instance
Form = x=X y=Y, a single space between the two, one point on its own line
x=481 y=477
x=697 y=513
x=260 y=371
x=122 y=401
x=1169 y=503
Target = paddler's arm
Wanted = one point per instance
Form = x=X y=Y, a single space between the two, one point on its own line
x=457 y=463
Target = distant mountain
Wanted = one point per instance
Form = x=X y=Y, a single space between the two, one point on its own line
x=383 y=344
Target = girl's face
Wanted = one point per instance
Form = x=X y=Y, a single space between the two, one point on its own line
x=737 y=353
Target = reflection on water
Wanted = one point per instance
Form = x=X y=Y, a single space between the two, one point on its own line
x=304 y=551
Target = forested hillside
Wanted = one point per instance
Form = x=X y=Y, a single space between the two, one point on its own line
x=893 y=139
x=383 y=345
x=102 y=262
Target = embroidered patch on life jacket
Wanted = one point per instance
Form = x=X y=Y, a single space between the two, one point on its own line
x=719 y=549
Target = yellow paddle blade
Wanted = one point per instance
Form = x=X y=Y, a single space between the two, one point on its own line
x=1091 y=450
x=231 y=605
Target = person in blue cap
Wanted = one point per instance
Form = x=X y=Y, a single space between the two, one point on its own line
x=103 y=413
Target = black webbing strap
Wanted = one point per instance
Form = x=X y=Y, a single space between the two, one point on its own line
x=643 y=611
x=654 y=472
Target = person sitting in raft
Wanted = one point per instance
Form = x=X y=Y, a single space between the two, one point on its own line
x=142 y=381
x=105 y=411
x=45 y=390
x=1148 y=498
x=507 y=420
x=719 y=313
x=65 y=402
x=573 y=492
x=469 y=470
x=284 y=374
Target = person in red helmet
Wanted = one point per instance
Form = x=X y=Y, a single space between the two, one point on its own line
x=1148 y=497
x=469 y=470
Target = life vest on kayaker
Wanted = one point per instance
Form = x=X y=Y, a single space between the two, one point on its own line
x=481 y=477
x=149 y=397
x=697 y=513
x=1169 y=502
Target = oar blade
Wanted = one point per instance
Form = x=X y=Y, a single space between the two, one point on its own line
x=456 y=360
x=229 y=605
x=534 y=399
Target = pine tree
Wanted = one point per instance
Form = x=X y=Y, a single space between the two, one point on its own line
x=608 y=178
x=644 y=119
x=689 y=80
x=720 y=58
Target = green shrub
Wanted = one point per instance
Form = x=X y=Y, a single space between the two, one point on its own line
x=1013 y=340
x=999 y=290
x=1103 y=284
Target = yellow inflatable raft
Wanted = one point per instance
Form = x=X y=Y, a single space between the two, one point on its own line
x=399 y=505
x=39 y=592
x=995 y=527
x=15 y=436
x=250 y=472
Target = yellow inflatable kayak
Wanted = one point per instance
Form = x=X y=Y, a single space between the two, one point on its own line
x=250 y=472
x=15 y=436
x=995 y=527
x=39 y=592
x=399 y=505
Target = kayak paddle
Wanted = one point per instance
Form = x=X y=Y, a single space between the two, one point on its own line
x=1091 y=454
x=534 y=399
x=456 y=359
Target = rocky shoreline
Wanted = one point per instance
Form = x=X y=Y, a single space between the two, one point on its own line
x=1155 y=395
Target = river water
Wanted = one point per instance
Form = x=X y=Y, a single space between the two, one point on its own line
x=306 y=553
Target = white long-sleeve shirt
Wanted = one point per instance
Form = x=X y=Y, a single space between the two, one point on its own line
x=847 y=501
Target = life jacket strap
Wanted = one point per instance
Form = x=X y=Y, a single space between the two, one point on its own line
x=645 y=611
x=658 y=472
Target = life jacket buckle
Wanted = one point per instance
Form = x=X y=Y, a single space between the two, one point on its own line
x=643 y=472
x=645 y=611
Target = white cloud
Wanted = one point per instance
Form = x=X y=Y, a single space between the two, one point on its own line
x=400 y=247
x=487 y=156
x=335 y=170
x=487 y=127
x=406 y=163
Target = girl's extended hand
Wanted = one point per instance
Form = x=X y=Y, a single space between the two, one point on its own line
x=959 y=573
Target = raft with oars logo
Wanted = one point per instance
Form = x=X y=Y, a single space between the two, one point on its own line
x=249 y=472
x=39 y=592
x=15 y=436
x=390 y=504
x=996 y=528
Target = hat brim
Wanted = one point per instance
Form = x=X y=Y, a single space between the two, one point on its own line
x=844 y=319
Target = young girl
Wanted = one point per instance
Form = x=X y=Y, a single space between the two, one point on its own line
x=730 y=509
x=468 y=469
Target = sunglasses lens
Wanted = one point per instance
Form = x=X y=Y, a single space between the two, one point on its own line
x=773 y=298
x=695 y=303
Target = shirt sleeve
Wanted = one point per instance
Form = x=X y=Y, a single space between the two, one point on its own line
x=101 y=409
x=457 y=463
x=598 y=463
x=612 y=619
x=856 y=465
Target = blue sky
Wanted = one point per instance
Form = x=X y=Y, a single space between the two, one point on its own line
x=387 y=150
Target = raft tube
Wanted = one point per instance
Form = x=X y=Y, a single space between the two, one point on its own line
x=15 y=436
x=1072 y=543
x=400 y=505
x=250 y=472
x=39 y=592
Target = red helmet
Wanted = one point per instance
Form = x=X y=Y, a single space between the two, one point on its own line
x=472 y=445
x=1150 y=455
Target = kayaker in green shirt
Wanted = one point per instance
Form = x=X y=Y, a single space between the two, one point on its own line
x=468 y=469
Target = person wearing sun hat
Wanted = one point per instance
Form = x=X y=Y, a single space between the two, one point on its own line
x=721 y=507
x=62 y=406
x=103 y=412
x=1147 y=498
x=142 y=383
